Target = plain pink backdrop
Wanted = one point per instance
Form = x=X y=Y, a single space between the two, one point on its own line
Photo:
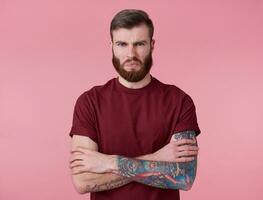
x=52 y=51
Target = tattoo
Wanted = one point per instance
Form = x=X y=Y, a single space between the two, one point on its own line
x=168 y=175
x=184 y=135
x=108 y=185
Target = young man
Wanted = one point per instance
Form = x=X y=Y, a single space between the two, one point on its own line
x=133 y=137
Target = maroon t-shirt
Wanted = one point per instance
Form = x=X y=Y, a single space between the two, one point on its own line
x=133 y=122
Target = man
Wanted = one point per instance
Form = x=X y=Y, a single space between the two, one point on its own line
x=133 y=137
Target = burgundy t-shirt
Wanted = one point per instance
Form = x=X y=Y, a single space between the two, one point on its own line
x=133 y=122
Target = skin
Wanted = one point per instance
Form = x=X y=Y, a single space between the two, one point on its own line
x=165 y=168
x=87 y=181
x=171 y=167
x=167 y=175
x=129 y=43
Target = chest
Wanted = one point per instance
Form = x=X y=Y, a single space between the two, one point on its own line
x=134 y=126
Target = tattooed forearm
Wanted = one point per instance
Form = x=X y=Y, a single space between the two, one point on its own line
x=189 y=167
x=108 y=185
x=168 y=175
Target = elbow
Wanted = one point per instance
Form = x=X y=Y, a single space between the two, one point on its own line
x=85 y=188
x=188 y=183
x=184 y=183
x=186 y=187
x=81 y=190
x=81 y=186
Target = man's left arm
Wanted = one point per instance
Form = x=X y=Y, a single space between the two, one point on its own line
x=167 y=175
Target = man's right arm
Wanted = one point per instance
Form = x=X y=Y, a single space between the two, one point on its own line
x=92 y=182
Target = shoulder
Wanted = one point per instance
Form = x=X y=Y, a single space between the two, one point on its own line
x=91 y=95
x=98 y=90
x=173 y=91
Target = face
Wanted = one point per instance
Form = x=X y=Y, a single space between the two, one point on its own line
x=132 y=52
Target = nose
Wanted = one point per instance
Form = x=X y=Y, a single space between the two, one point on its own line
x=131 y=52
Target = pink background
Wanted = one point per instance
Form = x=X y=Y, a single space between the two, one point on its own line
x=52 y=51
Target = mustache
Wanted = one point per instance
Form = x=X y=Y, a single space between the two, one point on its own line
x=132 y=59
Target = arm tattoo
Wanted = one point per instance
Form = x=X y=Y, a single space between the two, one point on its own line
x=108 y=185
x=167 y=175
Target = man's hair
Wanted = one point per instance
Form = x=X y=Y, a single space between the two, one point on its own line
x=130 y=18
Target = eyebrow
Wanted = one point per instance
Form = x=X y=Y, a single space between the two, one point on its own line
x=139 y=41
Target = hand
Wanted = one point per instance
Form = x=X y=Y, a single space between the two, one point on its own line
x=183 y=150
x=85 y=160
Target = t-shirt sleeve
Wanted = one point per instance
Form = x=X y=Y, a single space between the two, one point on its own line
x=187 y=119
x=84 y=118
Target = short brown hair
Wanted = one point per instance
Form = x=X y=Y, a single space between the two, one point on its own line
x=130 y=18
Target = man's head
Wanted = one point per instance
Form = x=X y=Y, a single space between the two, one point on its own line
x=132 y=44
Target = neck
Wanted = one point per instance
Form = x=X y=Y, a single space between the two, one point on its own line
x=135 y=85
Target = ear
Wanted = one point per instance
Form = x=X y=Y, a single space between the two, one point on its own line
x=152 y=44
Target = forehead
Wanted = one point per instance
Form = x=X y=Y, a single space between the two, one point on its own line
x=136 y=33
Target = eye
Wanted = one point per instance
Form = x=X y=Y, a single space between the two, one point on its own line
x=140 y=44
x=121 y=44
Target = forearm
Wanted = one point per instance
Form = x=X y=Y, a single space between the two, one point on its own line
x=95 y=182
x=158 y=173
x=167 y=175
x=159 y=169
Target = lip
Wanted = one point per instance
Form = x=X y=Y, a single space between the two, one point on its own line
x=132 y=64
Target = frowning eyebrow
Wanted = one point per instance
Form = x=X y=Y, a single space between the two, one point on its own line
x=134 y=43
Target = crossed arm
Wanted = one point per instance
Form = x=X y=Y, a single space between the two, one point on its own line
x=172 y=167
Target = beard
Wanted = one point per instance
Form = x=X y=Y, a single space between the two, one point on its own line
x=133 y=75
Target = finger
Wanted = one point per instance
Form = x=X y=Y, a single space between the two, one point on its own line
x=185 y=141
x=74 y=160
x=81 y=150
x=76 y=163
x=82 y=147
x=77 y=170
x=187 y=153
x=76 y=157
x=187 y=148
x=184 y=159
x=77 y=152
x=78 y=149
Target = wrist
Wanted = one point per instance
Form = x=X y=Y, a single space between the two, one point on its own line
x=152 y=157
x=113 y=164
